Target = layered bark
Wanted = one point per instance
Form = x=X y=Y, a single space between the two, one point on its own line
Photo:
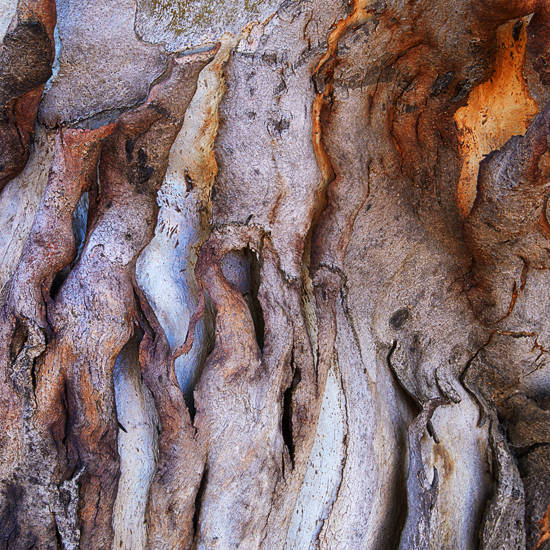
x=62 y=394
x=25 y=66
x=294 y=297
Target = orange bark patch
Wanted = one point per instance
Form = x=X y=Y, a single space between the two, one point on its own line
x=545 y=529
x=43 y=10
x=323 y=160
x=497 y=110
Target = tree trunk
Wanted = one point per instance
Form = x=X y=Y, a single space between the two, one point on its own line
x=274 y=274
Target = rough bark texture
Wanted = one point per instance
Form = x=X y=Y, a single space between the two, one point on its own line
x=274 y=274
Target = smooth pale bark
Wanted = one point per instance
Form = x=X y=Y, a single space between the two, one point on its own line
x=274 y=274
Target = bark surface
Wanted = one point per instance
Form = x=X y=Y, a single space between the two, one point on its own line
x=273 y=275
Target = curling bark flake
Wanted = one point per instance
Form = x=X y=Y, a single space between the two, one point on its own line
x=182 y=226
x=26 y=61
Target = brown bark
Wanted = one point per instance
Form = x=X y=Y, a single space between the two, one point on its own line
x=25 y=66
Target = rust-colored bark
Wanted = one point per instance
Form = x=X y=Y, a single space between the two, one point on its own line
x=180 y=463
x=25 y=65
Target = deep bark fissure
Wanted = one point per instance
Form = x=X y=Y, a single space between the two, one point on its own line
x=58 y=536
x=198 y=499
x=287 y=410
x=58 y=280
x=407 y=396
x=251 y=297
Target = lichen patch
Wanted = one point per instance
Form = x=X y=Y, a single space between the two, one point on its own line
x=185 y=24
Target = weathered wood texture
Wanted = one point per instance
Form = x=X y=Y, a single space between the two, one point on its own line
x=274 y=274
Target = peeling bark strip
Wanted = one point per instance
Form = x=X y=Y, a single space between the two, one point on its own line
x=503 y=524
x=72 y=395
x=244 y=448
x=257 y=286
x=503 y=227
x=49 y=248
x=180 y=462
x=137 y=442
x=185 y=205
x=51 y=244
x=183 y=224
x=26 y=58
x=421 y=494
x=323 y=78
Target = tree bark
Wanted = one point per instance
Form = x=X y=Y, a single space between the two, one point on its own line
x=274 y=274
